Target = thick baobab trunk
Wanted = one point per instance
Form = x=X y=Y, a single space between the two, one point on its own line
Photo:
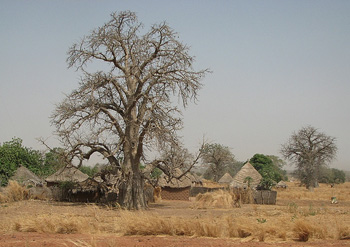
x=131 y=192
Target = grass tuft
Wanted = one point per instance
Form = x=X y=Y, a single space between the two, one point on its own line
x=13 y=192
x=303 y=230
x=343 y=232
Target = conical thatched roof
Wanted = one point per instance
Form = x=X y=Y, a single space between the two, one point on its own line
x=183 y=182
x=246 y=171
x=225 y=179
x=281 y=184
x=196 y=178
x=66 y=174
x=23 y=175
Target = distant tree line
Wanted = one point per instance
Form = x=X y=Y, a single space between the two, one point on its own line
x=311 y=165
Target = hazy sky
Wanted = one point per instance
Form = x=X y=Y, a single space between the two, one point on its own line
x=277 y=66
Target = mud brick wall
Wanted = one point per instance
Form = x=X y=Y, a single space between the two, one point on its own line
x=175 y=193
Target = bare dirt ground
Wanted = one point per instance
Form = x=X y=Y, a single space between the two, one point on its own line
x=72 y=240
x=318 y=209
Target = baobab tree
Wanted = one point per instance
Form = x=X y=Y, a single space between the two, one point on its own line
x=218 y=158
x=309 y=150
x=126 y=108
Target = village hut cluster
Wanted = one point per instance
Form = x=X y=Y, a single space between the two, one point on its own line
x=67 y=184
x=70 y=184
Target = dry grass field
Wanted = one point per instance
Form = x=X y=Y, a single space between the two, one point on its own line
x=300 y=218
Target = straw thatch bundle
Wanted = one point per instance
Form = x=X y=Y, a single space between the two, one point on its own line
x=216 y=199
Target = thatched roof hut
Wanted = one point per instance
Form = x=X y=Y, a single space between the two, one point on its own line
x=281 y=184
x=225 y=179
x=24 y=176
x=67 y=174
x=176 y=189
x=183 y=182
x=239 y=180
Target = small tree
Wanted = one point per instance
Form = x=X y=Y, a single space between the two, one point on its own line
x=270 y=172
x=309 y=150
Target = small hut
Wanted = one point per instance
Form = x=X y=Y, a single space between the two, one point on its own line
x=247 y=174
x=66 y=174
x=225 y=179
x=281 y=184
x=70 y=184
x=176 y=189
x=36 y=185
x=25 y=177
x=87 y=191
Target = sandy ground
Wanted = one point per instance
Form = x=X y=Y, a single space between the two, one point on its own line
x=85 y=240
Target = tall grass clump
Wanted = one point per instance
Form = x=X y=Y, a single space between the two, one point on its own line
x=305 y=229
x=13 y=192
x=63 y=224
x=132 y=223
x=343 y=231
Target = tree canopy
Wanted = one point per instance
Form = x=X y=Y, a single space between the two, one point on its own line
x=270 y=169
x=127 y=108
x=331 y=176
x=310 y=150
x=13 y=154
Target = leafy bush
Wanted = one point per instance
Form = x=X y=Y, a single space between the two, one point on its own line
x=90 y=171
x=271 y=173
x=13 y=154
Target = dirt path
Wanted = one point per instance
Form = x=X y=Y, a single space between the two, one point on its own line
x=85 y=240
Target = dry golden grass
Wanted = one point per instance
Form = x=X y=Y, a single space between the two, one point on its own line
x=13 y=192
x=157 y=194
x=223 y=199
x=216 y=199
x=324 y=192
x=313 y=217
x=53 y=224
x=260 y=226
x=343 y=231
